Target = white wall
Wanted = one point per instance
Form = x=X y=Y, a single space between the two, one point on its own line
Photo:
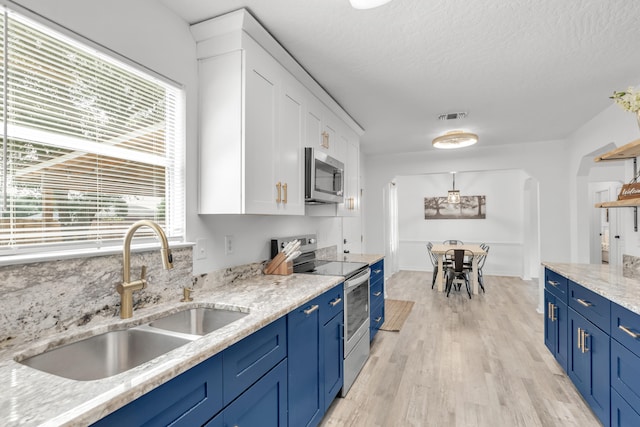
x=146 y=32
x=545 y=162
x=612 y=128
x=503 y=229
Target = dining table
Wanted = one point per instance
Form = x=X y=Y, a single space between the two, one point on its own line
x=440 y=249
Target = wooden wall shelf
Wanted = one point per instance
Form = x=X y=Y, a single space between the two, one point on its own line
x=627 y=151
x=629 y=203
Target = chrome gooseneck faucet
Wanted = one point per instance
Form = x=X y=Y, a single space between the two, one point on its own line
x=126 y=288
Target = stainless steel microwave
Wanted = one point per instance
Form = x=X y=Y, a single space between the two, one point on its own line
x=324 y=178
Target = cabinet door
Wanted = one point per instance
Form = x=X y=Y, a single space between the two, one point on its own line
x=589 y=364
x=332 y=358
x=263 y=405
x=562 y=330
x=305 y=397
x=260 y=126
x=291 y=159
x=622 y=414
x=550 y=329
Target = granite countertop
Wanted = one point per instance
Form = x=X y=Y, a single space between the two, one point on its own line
x=611 y=282
x=30 y=397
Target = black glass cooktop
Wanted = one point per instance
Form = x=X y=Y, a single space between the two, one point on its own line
x=333 y=268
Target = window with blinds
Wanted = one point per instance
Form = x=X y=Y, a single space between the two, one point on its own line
x=90 y=144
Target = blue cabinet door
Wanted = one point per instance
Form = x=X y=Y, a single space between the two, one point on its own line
x=550 y=328
x=306 y=405
x=622 y=414
x=556 y=327
x=332 y=358
x=588 y=368
x=264 y=404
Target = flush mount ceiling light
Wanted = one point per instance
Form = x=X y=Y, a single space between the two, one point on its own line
x=455 y=139
x=453 y=195
x=367 y=4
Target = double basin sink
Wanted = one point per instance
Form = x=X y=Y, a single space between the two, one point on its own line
x=113 y=352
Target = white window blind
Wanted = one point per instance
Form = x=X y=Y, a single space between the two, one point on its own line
x=89 y=144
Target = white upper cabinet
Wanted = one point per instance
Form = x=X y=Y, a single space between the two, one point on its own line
x=258 y=109
x=350 y=152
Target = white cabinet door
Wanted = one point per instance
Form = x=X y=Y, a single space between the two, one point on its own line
x=261 y=132
x=350 y=153
x=290 y=171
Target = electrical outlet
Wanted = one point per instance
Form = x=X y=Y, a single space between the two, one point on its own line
x=228 y=244
x=201 y=249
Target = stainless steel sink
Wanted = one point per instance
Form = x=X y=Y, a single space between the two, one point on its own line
x=104 y=355
x=198 y=321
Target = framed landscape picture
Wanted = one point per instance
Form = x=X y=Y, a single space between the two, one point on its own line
x=470 y=207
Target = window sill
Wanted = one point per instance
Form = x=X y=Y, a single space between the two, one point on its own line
x=83 y=253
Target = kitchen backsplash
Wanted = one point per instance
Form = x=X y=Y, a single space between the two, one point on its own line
x=39 y=299
x=631 y=266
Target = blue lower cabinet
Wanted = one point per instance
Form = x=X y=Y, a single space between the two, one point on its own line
x=264 y=404
x=333 y=358
x=622 y=414
x=556 y=326
x=248 y=360
x=306 y=405
x=376 y=321
x=376 y=298
x=589 y=364
x=625 y=373
x=187 y=400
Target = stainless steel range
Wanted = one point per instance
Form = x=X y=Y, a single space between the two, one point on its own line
x=356 y=295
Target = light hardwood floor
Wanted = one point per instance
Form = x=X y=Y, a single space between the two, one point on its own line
x=462 y=362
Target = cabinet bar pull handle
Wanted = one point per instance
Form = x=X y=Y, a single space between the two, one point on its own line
x=584 y=341
x=335 y=302
x=377 y=320
x=583 y=302
x=548 y=310
x=553 y=283
x=377 y=294
x=377 y=271
x=279 y=187
x=311 y=309
x=579 y=338
x=633 y=335
x=284 y=187
x=553 y=312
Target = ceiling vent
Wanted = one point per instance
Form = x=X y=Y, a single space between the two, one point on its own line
x=452 y=116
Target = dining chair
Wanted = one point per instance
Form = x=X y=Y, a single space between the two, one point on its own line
x=481 y=260
x=458 y=270
x=434 y=262
x=453 y=242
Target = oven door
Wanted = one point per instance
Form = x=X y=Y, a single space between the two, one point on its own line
x=356 y=310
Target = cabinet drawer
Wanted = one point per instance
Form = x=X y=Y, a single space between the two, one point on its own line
x=377 y=294
x=331 y=303
x=189 y=399
x=622 y=414
x=377 y=271
x=556 y=284
x=595 y=308
x=625 y=373
x=248 y=360
x=377 y=319
x=625 y=327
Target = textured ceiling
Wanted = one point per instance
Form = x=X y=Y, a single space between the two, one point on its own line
x=524 y=70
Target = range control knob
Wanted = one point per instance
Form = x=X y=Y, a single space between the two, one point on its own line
x=312 y=241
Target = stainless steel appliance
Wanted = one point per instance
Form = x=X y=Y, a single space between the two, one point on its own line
x=356 y=304
x=324 y=178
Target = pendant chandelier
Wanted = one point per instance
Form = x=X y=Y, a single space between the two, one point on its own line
x=453 y=195
x=367 y=4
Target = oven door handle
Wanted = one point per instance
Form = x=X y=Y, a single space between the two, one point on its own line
x=357 y=280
